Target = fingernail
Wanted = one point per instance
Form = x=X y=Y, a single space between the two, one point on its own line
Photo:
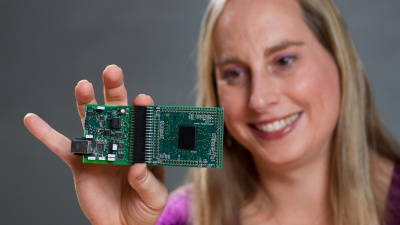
x=28 y=115
x=142 y=176
x=81 y=82
x=110 y=65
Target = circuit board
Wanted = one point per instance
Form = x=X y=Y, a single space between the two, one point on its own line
x=155 y=135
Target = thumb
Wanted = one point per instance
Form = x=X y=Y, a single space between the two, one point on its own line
x=151 y=190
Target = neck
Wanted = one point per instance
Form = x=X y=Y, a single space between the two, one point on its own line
x=297 y=194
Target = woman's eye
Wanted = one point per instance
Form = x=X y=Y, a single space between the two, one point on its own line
x=286 y=60
x=234 y=75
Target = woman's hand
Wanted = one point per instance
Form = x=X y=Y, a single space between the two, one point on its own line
x=108 y=194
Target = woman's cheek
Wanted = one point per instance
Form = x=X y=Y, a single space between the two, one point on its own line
x=309 y=84
x=232 y=111
x=231 y=100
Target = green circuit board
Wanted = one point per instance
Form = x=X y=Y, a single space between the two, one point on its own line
x=155 y=135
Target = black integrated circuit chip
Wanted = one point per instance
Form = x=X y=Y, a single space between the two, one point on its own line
x=89 y=114
x=187 y=137
x=116 y=123
x=100 y=147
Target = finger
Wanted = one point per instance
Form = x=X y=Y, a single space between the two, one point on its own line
x=143 y=100
x=114 y=87
x=84 y=94
x=151 y=191
x=55 y=141
x=146 y=100
x=149 y=186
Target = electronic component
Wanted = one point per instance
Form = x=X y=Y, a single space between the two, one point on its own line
x=82 y=146
x=187 y=137
x=116 y=123
x=155 y=135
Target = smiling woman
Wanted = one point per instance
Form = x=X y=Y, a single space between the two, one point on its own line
x=304 y=140
x=303 y=144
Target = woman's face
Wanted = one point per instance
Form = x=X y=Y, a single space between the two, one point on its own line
x=279 y=86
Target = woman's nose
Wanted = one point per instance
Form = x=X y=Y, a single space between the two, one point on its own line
x=264 y=94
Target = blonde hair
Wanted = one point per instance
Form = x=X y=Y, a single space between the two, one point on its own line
x=219 y=195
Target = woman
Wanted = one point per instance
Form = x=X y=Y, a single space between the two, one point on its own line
x=304 y=142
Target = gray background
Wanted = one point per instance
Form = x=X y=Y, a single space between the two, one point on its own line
x=47 y=46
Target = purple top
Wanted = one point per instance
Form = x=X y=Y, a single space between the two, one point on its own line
x=393 y=201
x=178 y=209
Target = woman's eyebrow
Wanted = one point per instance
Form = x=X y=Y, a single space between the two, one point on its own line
x=229 y=60
x=268 y=51
x=283 y=45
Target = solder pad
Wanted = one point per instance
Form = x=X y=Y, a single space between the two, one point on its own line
x=155 y=135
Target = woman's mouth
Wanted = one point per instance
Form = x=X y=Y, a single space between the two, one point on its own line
x=277 y=125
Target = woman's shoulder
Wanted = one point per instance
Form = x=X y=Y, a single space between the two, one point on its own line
x=178 y=208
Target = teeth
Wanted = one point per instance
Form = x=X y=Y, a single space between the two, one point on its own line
x=278 y=124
